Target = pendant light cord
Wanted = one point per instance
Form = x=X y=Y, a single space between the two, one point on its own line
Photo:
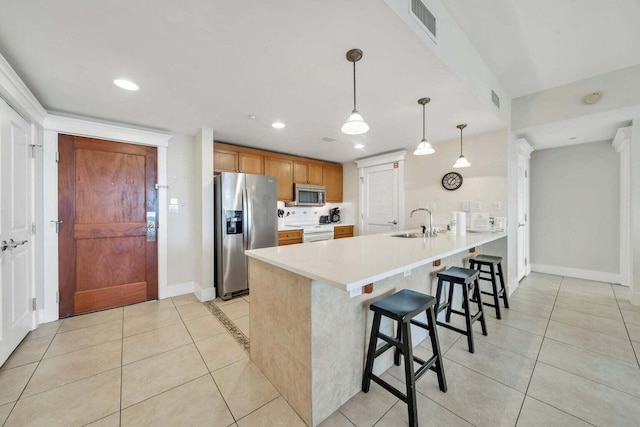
x=354 y=85
x=423 y=122
x=460 y=142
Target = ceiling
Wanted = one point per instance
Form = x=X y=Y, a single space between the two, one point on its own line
x=213 y=63
x=534 y=45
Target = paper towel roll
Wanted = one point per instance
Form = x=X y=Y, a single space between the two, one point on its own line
x=461 y=223
x=453 y=223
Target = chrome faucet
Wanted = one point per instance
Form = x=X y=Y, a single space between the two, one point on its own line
x=431 y=232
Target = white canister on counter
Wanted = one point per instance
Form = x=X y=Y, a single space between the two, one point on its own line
x=461 y=226
x=452 y=224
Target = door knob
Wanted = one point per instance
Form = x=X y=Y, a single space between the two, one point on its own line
x=57 y=223
x=394 y=222
x=4 y=245
x=520 y=225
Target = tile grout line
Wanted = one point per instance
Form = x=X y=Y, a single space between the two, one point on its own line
x=526 y=392
x=628 y=335
x=121 y=370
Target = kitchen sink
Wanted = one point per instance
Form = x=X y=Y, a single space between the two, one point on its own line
x=408 y=235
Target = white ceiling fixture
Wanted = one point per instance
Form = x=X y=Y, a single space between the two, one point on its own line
x=592 y=98
x=424 y=147
x=277 y=125
x=358 y=146
x=462 y=162
x=355 y=124
x=126 y=84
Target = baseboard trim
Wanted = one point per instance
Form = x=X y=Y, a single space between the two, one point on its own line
x=600 y=276
x=203 y=295
x=179 y=289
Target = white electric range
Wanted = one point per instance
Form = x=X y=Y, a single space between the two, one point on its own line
x=314 y=232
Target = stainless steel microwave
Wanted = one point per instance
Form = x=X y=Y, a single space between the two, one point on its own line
x=308 y=195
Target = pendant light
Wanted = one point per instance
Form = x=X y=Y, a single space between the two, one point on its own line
x=424 y=147
x=461 y=162
x=355 y=124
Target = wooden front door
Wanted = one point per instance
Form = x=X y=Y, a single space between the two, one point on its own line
x=106 y=257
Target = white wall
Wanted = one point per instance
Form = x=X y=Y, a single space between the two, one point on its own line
x=635 y=211
x=351 y=192
x=484 y=182
x=181 y=226
x=575 y=211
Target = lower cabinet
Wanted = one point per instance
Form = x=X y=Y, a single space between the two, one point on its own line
x=289 y=237
x=342 y=231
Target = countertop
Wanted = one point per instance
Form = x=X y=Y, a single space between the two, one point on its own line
x=352 y=263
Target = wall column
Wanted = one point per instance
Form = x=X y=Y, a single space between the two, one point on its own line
x=204 y=286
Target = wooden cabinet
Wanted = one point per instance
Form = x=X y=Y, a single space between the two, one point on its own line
x=289 y=237
x=227 y=158
x=332 y=180
x=250 y=163
x=307 y=173
x=282 y=169
x=342 y=231
x=288 y=169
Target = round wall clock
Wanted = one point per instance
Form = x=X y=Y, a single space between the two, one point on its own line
x=452 y=181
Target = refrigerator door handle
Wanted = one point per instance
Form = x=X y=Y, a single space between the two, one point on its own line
x=247 y=219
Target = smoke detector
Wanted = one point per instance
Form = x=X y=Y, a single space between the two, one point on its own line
x=592 y=98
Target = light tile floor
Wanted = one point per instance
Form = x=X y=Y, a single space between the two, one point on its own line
x=566 y=353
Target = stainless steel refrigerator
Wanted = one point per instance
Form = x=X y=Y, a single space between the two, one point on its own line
x=245 y=218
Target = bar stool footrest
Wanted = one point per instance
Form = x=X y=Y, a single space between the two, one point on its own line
x=391 y=389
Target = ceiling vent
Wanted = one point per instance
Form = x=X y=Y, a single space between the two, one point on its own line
x=424 y=15
x=495 y=99
x=329 y=139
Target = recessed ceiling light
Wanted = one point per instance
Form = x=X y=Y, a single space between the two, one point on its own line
x=126 y=84
x=358 y=146
x=277 y=125
x=251 y=117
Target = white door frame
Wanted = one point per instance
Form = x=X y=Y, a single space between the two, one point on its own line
x=524 y=151
x=55 y=125
x=622 y=144
x=389 y=158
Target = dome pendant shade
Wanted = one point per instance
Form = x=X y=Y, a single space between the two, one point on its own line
x=355 y=124
x=424 y=147
x=462 y=162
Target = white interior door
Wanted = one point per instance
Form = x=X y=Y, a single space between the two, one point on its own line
x=381 y=209
x=16 y=285
x=523 y=202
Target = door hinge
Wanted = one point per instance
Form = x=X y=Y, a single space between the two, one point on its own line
x=525 y=217
x=57 y=297
x=33 y=304
x=33 y=227
x=526 y=173
x=57 y=157
x=361 y=180
x=526 y=261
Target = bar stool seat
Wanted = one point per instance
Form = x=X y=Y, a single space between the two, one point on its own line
x=402 y=307
x=468 y=280
x=490 y=266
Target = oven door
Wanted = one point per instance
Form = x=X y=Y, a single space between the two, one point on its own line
x=318 y=236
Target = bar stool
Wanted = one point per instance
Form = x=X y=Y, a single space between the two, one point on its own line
x=468 y=278
x=402 y=307
x=494 y=267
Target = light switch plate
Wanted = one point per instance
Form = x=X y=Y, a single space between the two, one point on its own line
x=407 y=273
x=173 y=201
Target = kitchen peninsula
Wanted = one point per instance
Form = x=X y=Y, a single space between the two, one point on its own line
x=310 y=320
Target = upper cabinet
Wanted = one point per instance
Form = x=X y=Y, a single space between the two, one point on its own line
x=283 y=170
x=307 y=173
x=288 y=169
x=332 y=180
x=230 y=158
